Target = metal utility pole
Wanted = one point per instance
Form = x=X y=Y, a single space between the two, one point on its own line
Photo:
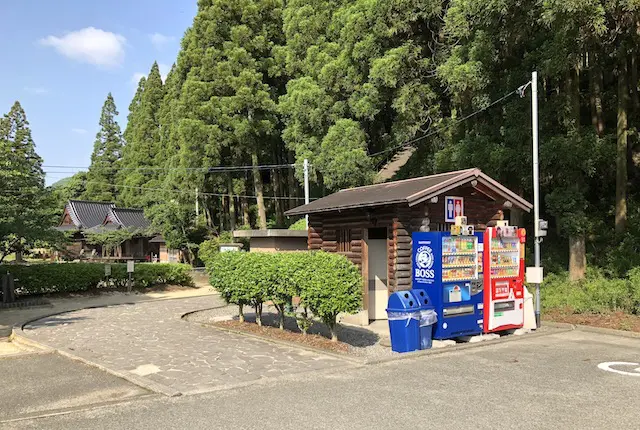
x=536 y=186
x=306 y=187
x=197 y=205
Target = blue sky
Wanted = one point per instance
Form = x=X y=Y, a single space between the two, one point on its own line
x=62 y=57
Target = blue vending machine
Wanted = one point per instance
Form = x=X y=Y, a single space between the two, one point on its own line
x=449 y=268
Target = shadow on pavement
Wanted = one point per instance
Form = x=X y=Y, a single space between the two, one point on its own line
x=354 y=336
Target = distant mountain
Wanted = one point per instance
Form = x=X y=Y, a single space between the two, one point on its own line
x=61 y=183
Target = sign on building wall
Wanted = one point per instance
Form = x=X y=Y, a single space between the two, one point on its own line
x=453 y=207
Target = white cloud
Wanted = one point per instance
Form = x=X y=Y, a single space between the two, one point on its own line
x=79 y=130
x=36 y=90
x=135 y=79
x=90 y=45
x=160 y=40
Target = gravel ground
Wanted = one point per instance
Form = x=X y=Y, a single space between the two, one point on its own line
x=362 y=342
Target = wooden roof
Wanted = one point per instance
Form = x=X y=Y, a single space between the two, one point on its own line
x=127 y=218
x=410 y=191
x=86 y=214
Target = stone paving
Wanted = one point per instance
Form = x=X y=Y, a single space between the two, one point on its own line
x=150 y=340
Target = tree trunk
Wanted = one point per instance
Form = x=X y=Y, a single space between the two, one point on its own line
x=19 y=258
x=277 y=191
x=334 y=332
x=281 y=310
x=246 y=216
x=634 y=83
x=577 y=257
x=241 y=313
x=232 y=203
x=595 y=97
x=257 y=180
x=621 y=152
x=258 y=309
x=224 y=213
x=293 y=184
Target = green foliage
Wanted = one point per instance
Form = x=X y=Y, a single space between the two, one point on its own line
x=143 y=145
x=71 y=188
x=595 y=294
x=332 y=285
x=78 y=277
x=327 y=284
x=210 y=247
x=27 y=209
x=301 y=224
x=362 y=80
x=107 y=149
x=110 y=240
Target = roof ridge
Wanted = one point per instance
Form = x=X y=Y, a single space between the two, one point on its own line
x=409 y=179
x=128 y=209
x=92 y=201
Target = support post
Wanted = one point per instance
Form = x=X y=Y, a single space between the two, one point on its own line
x=536 y=186
x=197 y=204
x=306 y=188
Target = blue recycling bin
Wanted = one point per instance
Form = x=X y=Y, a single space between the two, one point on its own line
x=403 y=312
x=427 y=320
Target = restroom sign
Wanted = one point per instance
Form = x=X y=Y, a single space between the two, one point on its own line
x=453 y=207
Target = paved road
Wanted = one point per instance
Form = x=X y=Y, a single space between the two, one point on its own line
x=37 y=384
x=538 y=382
x=150 y=340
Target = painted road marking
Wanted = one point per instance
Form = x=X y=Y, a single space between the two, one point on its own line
x=608 y=367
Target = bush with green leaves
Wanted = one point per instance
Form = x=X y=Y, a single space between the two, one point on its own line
x=332 y=285
x=225 y=272
x=327 y=284
x=595 y=294
x=77 y=277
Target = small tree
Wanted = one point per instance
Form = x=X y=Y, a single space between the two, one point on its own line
x=331 y=284
x=284 y=286
x=225 y=277
x=110 y=240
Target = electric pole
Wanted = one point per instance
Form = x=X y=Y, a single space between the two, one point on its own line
x=536 y=187
x=197 y=205
x=306 y=188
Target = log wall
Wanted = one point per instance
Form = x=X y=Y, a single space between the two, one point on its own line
x=401 y=221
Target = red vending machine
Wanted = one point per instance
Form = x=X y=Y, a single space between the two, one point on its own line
x=503 y=277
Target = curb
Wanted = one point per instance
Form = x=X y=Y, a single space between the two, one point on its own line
x=280 y=342
x=592 y=329
x=558 y=325
x=608 y=331
x=18 y=336
x=464 y=346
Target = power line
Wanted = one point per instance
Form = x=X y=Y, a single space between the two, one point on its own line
x=518 y=90
x=178 y=192
x=215 y=169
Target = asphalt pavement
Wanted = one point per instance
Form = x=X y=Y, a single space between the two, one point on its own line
x=548 y=381
x=37 y=384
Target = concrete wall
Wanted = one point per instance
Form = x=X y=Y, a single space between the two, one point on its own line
x=275 y=244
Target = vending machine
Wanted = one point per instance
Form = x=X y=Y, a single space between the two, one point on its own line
x=503 y=277
x=449 y=267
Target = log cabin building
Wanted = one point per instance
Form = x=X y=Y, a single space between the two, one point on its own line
x=372 y=225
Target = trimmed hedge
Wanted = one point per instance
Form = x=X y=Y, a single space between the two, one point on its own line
x=326 y=283
x=76 y=277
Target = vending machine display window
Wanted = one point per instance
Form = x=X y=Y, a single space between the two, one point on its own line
x=504 y=283
x=449 y=267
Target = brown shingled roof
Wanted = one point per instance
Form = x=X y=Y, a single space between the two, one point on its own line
x=409 y=191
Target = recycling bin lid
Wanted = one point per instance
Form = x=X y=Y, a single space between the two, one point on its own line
x=402 y=301
x=422 y=298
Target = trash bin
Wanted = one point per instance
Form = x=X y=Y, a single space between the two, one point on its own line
x=428 y=317
x=403 y=312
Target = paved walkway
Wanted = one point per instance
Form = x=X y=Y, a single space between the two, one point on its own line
x=150 y=340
